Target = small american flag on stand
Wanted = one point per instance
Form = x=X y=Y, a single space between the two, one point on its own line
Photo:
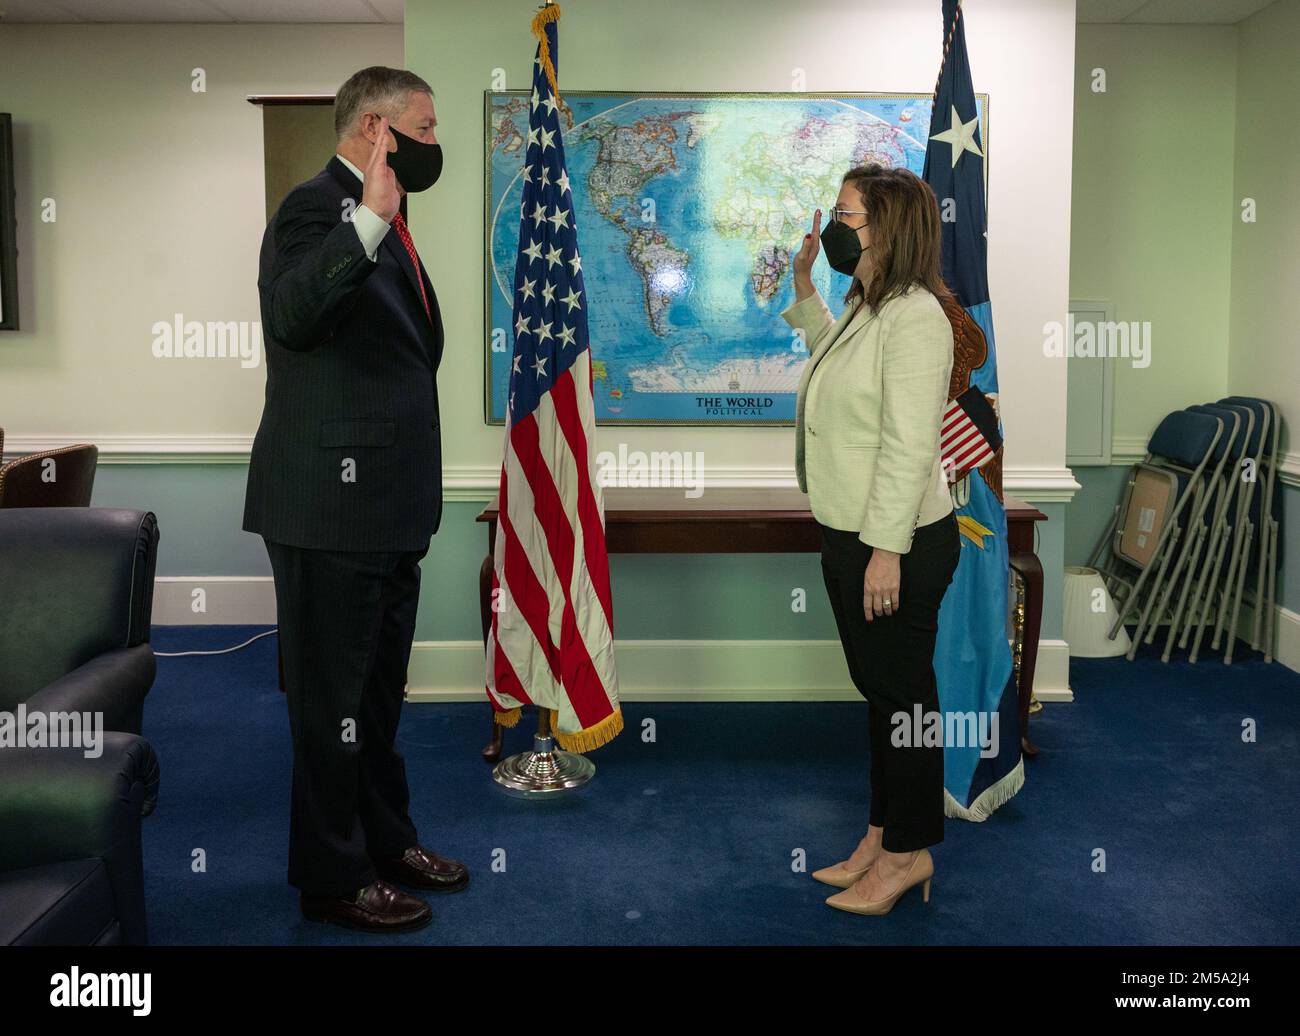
x=969 y=434
x=552 y=638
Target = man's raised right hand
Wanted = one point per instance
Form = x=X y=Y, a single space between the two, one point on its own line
x=379 y=192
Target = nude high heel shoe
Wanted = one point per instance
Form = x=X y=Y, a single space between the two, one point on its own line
x=919 y=872
x=839 y=875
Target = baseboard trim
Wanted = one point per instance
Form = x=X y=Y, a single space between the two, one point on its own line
x=1052 y=672
x=650 y=670
x=226 y=601
x=1287 y=649
x=664 y=670
x=702 y=671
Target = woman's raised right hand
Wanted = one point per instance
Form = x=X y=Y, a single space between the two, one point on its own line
x=803 y=259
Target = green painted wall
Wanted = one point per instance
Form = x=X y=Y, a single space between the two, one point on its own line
x=1151 y=218
x=1185 y=129
x=1265 y=312
x=200 y=509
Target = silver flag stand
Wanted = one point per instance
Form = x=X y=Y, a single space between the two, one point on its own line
x=546 y=770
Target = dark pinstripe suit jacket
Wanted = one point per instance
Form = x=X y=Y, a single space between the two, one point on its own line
x=348 y=455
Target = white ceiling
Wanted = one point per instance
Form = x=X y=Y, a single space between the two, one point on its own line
x=202 y=11
x=1162 y=12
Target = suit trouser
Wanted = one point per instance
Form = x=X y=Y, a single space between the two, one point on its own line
x=346 y=623
x=891 y=661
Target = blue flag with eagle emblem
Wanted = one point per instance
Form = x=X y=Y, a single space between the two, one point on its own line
x=983 y=767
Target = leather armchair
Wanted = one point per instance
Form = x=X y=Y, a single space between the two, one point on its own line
x=23 y=482
x=76 y=593
x=71 y=866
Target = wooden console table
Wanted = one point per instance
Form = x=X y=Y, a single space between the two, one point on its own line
x=762 y=521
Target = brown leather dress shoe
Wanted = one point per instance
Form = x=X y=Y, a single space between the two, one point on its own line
x=421 y=869
x=376 y=908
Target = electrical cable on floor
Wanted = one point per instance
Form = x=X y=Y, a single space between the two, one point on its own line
x=219 y=651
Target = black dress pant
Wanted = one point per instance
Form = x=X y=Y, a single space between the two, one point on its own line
x=346 y=624
x=891 y=661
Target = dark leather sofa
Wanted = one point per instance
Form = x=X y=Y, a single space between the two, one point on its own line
x=76 y=594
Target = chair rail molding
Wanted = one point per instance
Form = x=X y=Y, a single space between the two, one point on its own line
x=473 y=481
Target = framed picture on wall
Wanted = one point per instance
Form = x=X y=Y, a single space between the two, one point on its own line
x=688 y=205
x=8 y=229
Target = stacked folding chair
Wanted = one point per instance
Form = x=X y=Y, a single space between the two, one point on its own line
x=1241 y=447
x=1196 y=532
x=1164 y=500
x=1207 y=520
x=1257 y=556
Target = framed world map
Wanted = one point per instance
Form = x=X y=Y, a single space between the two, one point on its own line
x=687 y=207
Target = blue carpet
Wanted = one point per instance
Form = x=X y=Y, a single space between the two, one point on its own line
x=690 y=838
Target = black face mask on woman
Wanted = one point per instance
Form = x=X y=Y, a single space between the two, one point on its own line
x=842 y=246
x=416 y=165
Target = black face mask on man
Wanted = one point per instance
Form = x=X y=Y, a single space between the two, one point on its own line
x=842 y=246
x=416 y=165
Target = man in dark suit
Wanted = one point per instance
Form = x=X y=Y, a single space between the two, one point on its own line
x=345 y=486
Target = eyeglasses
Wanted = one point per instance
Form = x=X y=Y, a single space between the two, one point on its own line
x=838 y=214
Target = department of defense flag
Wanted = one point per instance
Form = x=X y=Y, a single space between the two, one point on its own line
x=972 y=659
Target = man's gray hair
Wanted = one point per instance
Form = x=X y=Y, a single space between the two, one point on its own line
x=375 y=89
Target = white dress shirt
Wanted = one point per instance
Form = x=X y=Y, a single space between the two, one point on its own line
x=371 y=227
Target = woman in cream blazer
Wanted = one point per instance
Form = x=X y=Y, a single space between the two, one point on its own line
x=868 y=416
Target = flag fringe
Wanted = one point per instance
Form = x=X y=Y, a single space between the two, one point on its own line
x=987 y=801
x=549 y=13
x=592 y=737
x=508 y=717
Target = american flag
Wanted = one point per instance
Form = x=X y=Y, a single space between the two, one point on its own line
x=969 y=434
x=552 y=638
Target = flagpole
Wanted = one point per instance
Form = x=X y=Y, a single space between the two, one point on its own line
x=547 y=769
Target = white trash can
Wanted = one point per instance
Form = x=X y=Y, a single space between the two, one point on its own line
x=1089 y=614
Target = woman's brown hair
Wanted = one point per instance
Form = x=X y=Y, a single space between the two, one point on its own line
x=906 y=244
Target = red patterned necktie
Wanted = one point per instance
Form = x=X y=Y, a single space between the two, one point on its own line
x=409 y=245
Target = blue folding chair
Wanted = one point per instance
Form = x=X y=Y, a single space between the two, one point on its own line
x=1162 y=491
x=1203 y=523
x=1261 y=549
